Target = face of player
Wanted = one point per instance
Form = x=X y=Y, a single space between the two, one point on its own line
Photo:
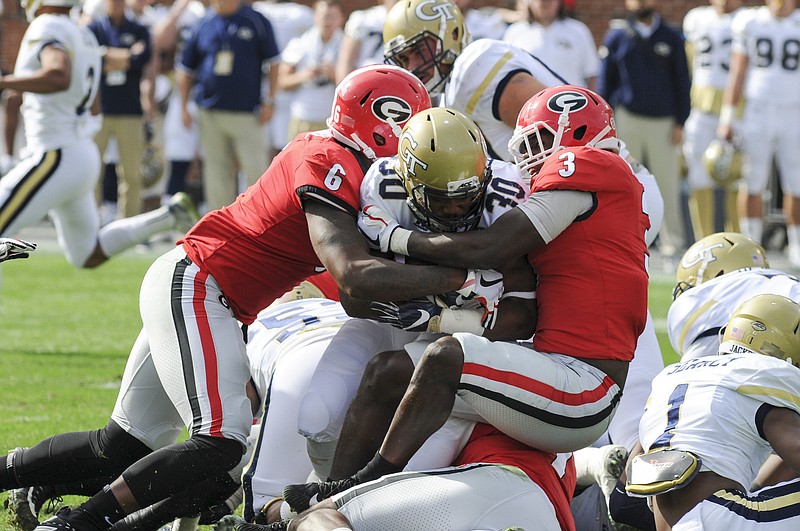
x=544 y=11
x=419 y=59
x=451 y=209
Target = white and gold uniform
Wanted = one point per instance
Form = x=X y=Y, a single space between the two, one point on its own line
x=366 y=27
x=709 y=35
x=771 y=125
x=695 y=318
x=714 y=407
x=338 y=375
x=479 y=76
x=284 y=346
x=62 y=164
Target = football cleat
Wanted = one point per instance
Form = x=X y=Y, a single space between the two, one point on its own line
x=282 y=525
x=602 y=466
x=58 y=522
x=301 y=496
x=183 y=210
x=20 y=511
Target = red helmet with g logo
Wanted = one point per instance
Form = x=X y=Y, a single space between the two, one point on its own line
x=558 y=117
x=371 y=106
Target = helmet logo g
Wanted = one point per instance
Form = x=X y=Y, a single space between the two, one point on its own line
x=568 y=101
x=388 y=108
x=432 y=10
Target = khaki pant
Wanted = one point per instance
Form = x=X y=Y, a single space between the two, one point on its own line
x=227 y=138
x=297 y=126
x=129 y=132
x=650 y=142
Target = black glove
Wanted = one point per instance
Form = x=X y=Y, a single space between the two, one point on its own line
x=412 y=316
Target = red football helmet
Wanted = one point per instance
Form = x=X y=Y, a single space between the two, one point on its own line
x=559 y=117
x=371 y=106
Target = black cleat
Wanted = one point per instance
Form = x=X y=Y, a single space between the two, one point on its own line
x=58 y=522
x=20 y=512
x=301 y=496
x=282 y=525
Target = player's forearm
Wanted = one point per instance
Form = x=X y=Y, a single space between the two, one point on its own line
x=43 y=82
x=385 y=280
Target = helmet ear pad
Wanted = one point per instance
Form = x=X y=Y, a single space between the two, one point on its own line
x=371 y=105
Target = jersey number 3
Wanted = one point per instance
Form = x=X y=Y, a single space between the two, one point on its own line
x=568 y=161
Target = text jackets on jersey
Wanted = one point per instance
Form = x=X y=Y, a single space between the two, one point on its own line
x=258 y=247
x=592 y=287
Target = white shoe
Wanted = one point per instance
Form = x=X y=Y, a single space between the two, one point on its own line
x=602 y=466
x=183 y=210
x=793 y=253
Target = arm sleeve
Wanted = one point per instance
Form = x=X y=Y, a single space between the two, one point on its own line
x=552 y=211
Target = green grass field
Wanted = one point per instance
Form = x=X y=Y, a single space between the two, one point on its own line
x=65 y=335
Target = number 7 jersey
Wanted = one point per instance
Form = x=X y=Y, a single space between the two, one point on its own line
x=54 y=120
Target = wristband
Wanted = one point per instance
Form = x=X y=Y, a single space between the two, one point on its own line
x=398 y=241
x=726 y=115
x=529 y=295
x=452 y=321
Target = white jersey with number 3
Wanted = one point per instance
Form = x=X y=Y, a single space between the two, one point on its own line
x=54 y=120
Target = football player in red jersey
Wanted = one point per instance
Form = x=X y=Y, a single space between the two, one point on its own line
x=296 y=220
x=582 y=229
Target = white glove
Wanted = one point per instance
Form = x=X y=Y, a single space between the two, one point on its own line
x=377 y=226
x=11 y=248
x=486 y=287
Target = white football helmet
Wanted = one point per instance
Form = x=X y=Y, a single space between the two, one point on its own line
x=32 y=6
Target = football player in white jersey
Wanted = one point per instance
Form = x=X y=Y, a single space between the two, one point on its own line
x=716 y=419
x=363 y=39
x=488 y=80
x=708 y=42
x=442 y=183
x=58 y=69
x=765 y=72
x=714 y=276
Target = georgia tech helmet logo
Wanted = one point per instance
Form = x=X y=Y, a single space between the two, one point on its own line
x=702 y=255
x=391 y=108
x=408 y=157
x=569 y=101
x=432 y=10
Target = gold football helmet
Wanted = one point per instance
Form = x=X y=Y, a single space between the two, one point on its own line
x=433 y=30
x=723 y=161
x=715 y=255
x=766 y=324
x=32 y=6
x=443 y=163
